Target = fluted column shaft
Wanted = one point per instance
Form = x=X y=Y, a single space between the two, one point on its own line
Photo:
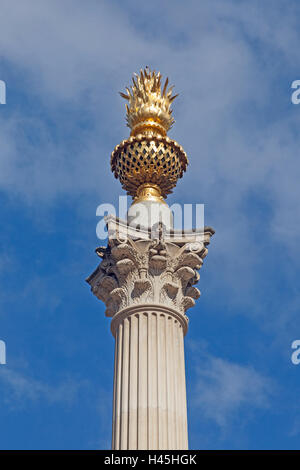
x=149 y=404
x=147 y=286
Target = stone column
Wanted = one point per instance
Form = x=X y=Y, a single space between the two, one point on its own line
x=149 y=405
x=147 y=286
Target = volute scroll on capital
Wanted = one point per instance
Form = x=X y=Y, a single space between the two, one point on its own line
x=147 y=272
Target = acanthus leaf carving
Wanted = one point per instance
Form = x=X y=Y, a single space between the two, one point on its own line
x=187 y=302
x=147 y=271
x=141 y=290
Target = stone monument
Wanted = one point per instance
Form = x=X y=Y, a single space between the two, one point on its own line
x=147 y=277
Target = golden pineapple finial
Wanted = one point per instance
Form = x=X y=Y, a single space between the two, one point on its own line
x=148 y=163
x=149 y=107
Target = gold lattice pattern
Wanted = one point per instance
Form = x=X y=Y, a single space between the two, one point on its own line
x=156 y=160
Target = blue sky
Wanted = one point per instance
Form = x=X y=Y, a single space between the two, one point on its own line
x=233 y=63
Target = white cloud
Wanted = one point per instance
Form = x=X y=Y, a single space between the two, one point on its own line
x=224 y=389
x=231 y=64
x=84 y=57
x=17 y=389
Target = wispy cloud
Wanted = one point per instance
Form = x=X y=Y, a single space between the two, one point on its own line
x=17 y=388
x=224 y=390
x=232 y=63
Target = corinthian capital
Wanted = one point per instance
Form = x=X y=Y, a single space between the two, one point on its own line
x=139 y=270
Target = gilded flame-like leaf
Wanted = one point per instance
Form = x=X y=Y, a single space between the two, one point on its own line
x=147 y=102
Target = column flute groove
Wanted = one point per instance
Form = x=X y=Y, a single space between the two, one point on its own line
x=148 y=408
